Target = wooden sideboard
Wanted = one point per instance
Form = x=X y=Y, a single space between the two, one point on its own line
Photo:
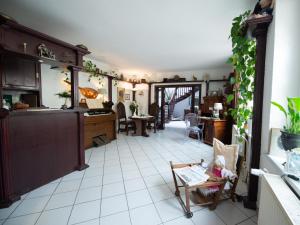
x=216 y=128
x=99 y=125
x=209 y=102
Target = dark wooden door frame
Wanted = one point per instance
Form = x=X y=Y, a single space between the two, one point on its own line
x=259 y=31
x=162 y=88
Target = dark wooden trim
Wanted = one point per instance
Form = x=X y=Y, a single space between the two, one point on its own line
x=81 y=155
x=109 y=88
x=260 y=29
x=133 y=92
x=162 y=109
x=200 y=96
x=207 y=87
x=193 y=100
x=149 y=97
x=74 y=87
x=189 y=81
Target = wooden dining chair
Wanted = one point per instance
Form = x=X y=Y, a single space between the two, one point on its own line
x=122 y=119
x=153 y=111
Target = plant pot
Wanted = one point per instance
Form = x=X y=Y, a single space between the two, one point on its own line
x=64 y=107
x=290 y=141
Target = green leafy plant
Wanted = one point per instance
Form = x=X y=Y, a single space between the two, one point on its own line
x=243 y=60
x=95 y=72
x=65 y=94
x=292 y=115
x=133 y=107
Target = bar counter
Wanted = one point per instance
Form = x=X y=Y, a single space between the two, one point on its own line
x=37 y=147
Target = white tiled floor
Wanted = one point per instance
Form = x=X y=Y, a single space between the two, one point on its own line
x=128 y=183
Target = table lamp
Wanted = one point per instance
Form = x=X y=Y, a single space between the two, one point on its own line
x=217 y=108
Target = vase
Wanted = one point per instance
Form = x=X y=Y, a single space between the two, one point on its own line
x=290 y=141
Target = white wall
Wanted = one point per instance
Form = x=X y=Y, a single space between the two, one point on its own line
x=282 y=73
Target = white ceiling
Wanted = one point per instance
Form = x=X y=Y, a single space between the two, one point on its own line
x=138 y=35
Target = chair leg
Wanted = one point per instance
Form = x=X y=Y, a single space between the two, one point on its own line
x=119 y=126
x=189 y=214
x=154 y=127
x=127 y=129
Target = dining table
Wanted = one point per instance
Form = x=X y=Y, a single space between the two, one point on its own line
x=141 y=124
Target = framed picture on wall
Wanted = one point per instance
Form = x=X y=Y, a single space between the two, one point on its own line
x=121 y=93
x=127 y=97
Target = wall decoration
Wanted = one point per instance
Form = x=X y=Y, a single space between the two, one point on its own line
x=127 y=97
x=44 y=52
x=121 y=93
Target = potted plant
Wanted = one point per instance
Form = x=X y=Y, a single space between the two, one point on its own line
x=290 y=134
x=134 y=108
x=66 y=95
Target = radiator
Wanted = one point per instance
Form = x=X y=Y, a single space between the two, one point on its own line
x=274 y=201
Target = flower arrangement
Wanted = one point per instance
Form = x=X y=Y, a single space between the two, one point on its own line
x=134 y=108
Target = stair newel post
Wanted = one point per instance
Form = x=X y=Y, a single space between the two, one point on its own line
x=193 y=100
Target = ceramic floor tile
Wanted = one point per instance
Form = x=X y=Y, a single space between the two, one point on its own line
x=84 y=212
x=23 y=220
x=89 y=194
x=138 y=198
x=73 y=176
x=93 y=172
x=112 y=189
x=91 y=182
x=159 y=193
x=134 y=185
x=29 y=206
x=66 y=186
x=155 y=180
x=229 y=213
x=247 y=222
x=180 y=221
x=112 y=178
x=61 y=200
x=146 y=172
x=206 y=217
x=133 y=174
x=248 y=212
x=113 y=205
x=56 y=216
x=116 y=219
x=90 y=222
x=42 y=191
x=169 y=209
x=5 y=212
x=146 y=215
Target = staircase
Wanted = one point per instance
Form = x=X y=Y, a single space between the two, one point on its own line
x=180 y=94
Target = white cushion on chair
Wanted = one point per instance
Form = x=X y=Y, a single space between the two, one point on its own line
x=230 y=153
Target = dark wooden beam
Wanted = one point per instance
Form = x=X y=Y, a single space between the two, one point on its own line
x=193 y=100
x=149 y=97
x=162 y=109
x=133 y=92
x=200 y=96
x=74 y=86
x=260 y=29
x=109 y=88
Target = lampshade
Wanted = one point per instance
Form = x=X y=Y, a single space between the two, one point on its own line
x=102 y=91
x=218 y=106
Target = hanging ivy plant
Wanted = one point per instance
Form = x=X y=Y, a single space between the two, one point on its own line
x=95 y=72
x=243 y=60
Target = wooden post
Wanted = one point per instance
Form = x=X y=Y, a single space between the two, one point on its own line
x=149 y=97
x=162 y=110
x=200 y=96
x=74 y=86
x=207 y=87
x=133 y=92
x=260 y=33
x=193 y=100
x=109 y=88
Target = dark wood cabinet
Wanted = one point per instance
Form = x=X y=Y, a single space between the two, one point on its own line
x=20 y=73
x=216 y=128
x=209 y=102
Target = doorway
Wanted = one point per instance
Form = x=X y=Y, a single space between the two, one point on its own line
x=175 y=101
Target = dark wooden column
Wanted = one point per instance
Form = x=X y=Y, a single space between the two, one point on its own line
x=162 y=109
x=74 y=86
x=260 y=28
x=109 y=88
x=200 y=96
x=133 y=92
x=149 y=96
x=7 y=195
x=207 y=87
x=193 y=100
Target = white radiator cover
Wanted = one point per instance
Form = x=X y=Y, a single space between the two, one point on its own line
x=278 y=204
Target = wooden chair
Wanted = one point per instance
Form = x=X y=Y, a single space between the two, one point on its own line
x=153 y=111
x=194 y=193
x=122 y=119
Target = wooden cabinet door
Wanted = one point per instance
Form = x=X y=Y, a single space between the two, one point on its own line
x=20 y=73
